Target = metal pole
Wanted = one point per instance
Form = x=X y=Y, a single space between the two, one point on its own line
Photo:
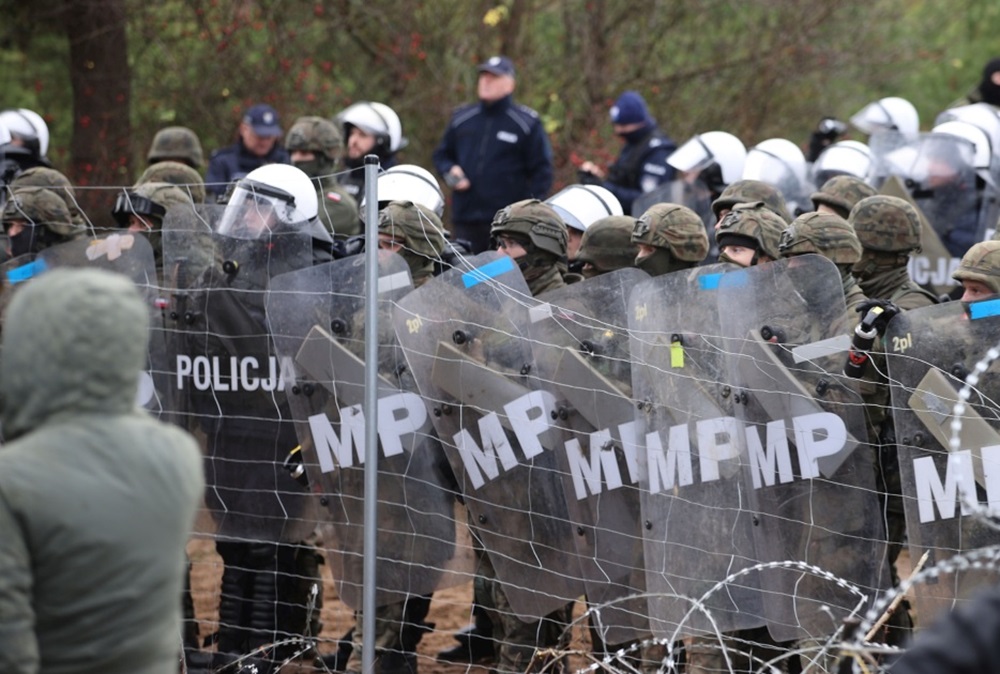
x=371 y=413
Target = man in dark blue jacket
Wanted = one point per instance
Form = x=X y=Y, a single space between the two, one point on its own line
x=494 y=152
x=642 y=164
x=257 y=145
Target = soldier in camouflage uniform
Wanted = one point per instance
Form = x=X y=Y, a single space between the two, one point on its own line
x=670 y=238
x=840 y=194
x=889 y=230
x=54 y=181
x=416 y=234
x=315 y=145
x=141 y=210
x=534 y=236
x=176 y=143
x=35 y=218
x=749 y=234
x=607 y=245
x=175 y=173
x=979 y=271
x=832 y=237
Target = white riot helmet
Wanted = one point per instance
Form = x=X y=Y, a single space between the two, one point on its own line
x=29 y=127
x=982 y=115
x=846 y=158
x=888 y=114
x=580 y=206
x=982 y=153
x=4 y=134
x=409 y=182
x=714 y=147
x=379 y=120
x=268 y=198
x=778 y=162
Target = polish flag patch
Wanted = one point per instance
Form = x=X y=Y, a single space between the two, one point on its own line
x=333 y=196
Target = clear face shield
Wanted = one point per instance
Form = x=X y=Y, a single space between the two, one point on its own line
x=256 y=211
x=934 y=161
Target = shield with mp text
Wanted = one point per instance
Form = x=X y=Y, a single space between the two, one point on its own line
x=465 y=338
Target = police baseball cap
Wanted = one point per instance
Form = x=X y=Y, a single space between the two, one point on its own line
x=498 y=65
x=264 y=120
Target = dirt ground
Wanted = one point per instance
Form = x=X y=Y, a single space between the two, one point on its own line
x=449 y=612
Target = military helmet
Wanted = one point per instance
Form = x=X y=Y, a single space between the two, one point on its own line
x=50 y=179
x=749 y=191
x=417 y=226
x=754 y=224
x=607 y=244
x=150 y=200
x=886 y=224
x=175 y=173
x=676 y=228
x=315 y=134
x=536 y=221
x=981 y=263
x=177 y=143
x=824 y=234
x=40 y=207
x=841 y=193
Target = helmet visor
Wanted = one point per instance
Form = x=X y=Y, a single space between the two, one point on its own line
x=255 y=210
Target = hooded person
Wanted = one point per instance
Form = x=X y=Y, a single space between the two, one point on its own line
x=97 y=499
x=642 y=165
x=670 y=238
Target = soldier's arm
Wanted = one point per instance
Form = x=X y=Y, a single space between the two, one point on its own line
x=18 y=645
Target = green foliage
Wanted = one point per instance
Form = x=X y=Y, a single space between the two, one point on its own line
x=759 y=69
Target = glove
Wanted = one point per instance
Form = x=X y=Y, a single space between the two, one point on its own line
x=588 y=178
x=876 y=315
x=827 y=132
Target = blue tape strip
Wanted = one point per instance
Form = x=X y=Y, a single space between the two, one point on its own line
x=488 y=271
x=709 y=281
x=27 y=271
x=984 y=309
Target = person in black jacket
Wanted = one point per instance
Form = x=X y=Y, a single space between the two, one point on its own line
x=642 y=164
x=494 y=153
x=257 y=145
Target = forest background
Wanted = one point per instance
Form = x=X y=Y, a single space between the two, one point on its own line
x=106 y=74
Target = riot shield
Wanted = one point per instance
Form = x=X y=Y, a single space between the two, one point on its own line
x=580 y=345
x=695 y=508
x=810 y=473
x=227 y=385
x=317 y=319
x=130 y=255
x=938 y=171
x=464 y=336
x=930 y=353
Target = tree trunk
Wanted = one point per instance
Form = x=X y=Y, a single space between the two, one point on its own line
x=100 y=77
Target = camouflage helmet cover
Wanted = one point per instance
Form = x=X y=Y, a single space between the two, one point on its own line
x=754 y=221
x=315 y=134
x=164 y=194
x=177 y=143
x=175 y=173
x=535 y=220
x=749 y=191
x=417 y=226
x=39 y=206
x=981 y=263
x=842 y=193
x=825 y=234
x=676 y=228
x=607 y=244
x=886 y=224
x=50 y=179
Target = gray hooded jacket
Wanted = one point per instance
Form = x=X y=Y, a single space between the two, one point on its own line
x=96 y=498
